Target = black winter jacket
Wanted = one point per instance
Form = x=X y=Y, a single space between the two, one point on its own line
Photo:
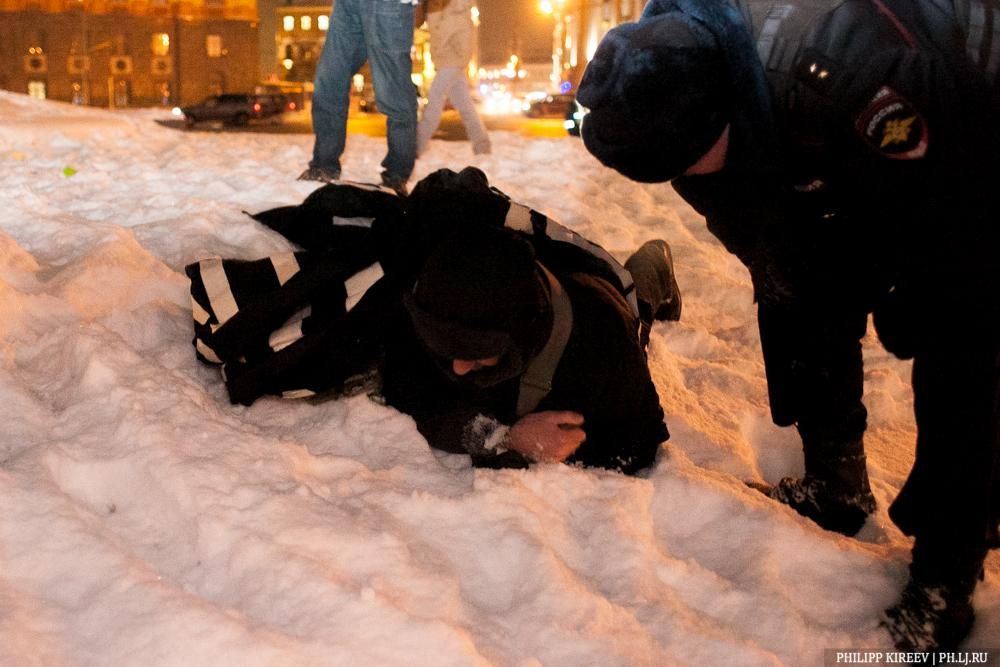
x=602 y=375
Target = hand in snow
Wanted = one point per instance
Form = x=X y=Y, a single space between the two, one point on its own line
x=549 y=437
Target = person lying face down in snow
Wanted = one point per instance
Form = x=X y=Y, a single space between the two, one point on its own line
x=504 y=334
x=516 y=359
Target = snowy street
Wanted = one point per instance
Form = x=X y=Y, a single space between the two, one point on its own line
x=146 y=521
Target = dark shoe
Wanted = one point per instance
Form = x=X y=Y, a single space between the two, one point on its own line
x=652 y=269
x=810 y=497
x=670 y=308
x=319 y=174
x=670 y=311
x=930 y=617
x=397 y=185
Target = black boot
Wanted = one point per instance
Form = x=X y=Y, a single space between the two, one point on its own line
x=834 y=493
x=930 y=618
x=652 y=269
x=935 y=613
x=812 y=499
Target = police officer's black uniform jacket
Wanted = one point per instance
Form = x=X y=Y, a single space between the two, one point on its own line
x=862 y=176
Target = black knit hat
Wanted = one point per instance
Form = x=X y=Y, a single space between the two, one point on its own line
x=480 y=295
x=658 y=95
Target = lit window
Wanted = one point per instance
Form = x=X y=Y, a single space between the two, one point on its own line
x=323 y=22
x=36 y=89
x=306 y=22
x=160 y=44
x=213 y=46
x=288 y=23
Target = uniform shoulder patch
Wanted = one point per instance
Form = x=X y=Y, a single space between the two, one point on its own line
x=892 y=126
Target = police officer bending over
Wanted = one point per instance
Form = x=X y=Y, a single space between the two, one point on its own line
x=849 y=154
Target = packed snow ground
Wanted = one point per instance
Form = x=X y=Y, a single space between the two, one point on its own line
x=146 y=521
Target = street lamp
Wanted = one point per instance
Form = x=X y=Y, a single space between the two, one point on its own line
x=555 y=9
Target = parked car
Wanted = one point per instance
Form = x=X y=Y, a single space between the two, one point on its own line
x=296 y=93
x=550 y=106
x=236 y=108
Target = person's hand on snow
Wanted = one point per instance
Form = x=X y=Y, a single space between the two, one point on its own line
x=548 y=437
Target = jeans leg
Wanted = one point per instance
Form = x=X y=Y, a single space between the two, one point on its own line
x=432 y=112
x=389 y=35
x=458 y=93
x=343 y=55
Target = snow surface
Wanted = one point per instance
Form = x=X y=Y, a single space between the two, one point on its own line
x=146 y=521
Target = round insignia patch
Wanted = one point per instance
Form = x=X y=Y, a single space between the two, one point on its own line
x=892 y=126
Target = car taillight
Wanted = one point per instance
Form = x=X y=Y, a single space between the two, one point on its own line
x=256 y=106
x=291 y=106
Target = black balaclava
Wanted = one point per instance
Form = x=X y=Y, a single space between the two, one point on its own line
x=481 y=295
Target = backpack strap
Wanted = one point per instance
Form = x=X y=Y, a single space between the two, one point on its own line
x=536 y=382
x=527 y=220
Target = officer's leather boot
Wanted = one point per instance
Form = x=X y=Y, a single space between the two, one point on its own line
x=834 y=492
x=934 y=612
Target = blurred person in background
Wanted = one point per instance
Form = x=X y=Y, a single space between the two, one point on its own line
x=451 y=29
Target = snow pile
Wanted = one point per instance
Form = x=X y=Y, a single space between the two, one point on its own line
x=144 y=520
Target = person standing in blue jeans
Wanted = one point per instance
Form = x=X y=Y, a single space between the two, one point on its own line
x=381 y=32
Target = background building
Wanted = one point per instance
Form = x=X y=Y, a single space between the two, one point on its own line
x=579 y=26
x=301 y=27
x=128 y=52
x=560 y=35
x=142 y=52
x=300 y=32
